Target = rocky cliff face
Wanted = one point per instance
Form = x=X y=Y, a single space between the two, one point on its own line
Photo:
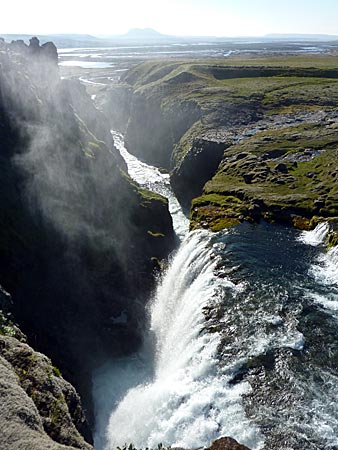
x=75 y=247
x=154 y=129
x=151 y=121
x=246 y=140
x=197 y=167
x=39 y=409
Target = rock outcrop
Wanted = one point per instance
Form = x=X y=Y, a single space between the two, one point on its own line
x=39 y=409
x=284 y=174
x=198 y=165
x=226 y=443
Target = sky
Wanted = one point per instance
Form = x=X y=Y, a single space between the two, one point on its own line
x=175 y=17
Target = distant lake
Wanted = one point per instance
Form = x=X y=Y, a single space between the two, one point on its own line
x=107 y=57
x=86 y=64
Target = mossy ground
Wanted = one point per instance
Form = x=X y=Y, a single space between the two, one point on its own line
x=302 y=181
x=232 y=92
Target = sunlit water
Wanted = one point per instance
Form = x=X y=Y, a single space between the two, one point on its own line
x=317 y=236
x=242 y=341
x=152 y=178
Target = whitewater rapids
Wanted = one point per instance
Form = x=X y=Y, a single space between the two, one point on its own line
x=186 y=401
x=241 y=341
x=173 y=391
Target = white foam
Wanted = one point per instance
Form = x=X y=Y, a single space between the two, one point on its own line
x=329 y=301
x=325 y=270
x=152 y=178
x=317 y=236
x=187 y=400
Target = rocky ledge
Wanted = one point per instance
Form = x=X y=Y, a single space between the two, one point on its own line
x=279 y=170
x=39 y=408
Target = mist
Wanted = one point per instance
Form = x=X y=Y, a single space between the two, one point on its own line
x=78 y=225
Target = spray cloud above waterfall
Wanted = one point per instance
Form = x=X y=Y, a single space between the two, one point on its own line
x=67 y=167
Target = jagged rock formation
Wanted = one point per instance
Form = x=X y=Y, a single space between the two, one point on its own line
x=78 y=237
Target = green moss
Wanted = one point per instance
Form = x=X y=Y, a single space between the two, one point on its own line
x=56 y=371
x=332 y=239
x=152 y=234
x=251 y=186
x=223 y=223
x=57 y=411
x=6 y=326
x=185 y=143
x=148 y=196
x=216 y=212
x=216 y=199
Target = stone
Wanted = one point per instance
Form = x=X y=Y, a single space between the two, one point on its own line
x=281 y=167
x=319 y=203
x=39 y=409
x=49 y=51
x=248 y=178
x=227 y=443
x=34 y=44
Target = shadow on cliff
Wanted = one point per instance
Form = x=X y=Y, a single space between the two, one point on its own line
x=75 y=251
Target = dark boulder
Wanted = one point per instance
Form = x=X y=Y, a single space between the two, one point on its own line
x=227 y=443
x=281 y=167
x=198 y=165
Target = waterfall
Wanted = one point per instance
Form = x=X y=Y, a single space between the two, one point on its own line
x=174 y=391
x=325 y=269
x=317 y=236
x=150 y=177
x=185 y=399
x=251 y=305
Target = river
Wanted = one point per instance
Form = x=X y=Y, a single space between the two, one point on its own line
x=242 y=341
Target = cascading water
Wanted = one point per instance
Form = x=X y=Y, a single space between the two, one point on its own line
x=175 y=391
x=317 y=236
x=242 y=341
x=325 y=268
x=187 y=401
x=151 y=178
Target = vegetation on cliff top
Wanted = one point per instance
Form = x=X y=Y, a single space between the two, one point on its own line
x=285 y=172
x=278 y=175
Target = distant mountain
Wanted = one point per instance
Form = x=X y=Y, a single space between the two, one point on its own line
x=143 y=33
x=302 y=37
x=141 y=36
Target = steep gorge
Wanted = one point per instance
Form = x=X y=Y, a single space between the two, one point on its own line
x=265 y=130
x=79 y=238
x=80 y=241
